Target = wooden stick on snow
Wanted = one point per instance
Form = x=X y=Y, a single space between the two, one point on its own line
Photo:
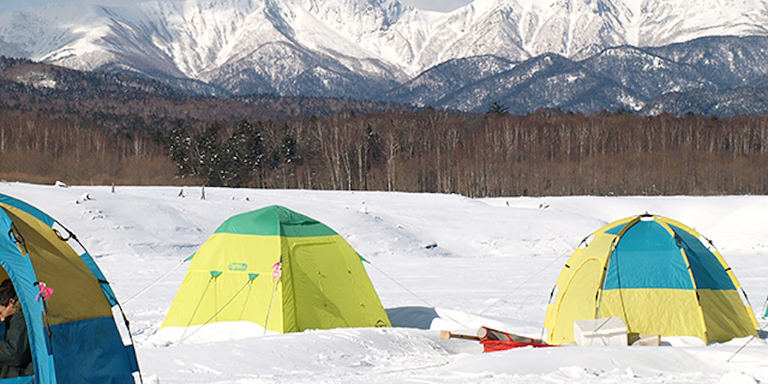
x=445 y=335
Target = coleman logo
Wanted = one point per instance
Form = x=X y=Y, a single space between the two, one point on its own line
x=237 y=266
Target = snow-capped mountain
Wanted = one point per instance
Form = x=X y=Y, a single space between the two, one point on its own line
x=360 y=48
x=246 y=46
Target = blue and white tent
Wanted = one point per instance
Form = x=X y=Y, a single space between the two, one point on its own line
x=72 y=333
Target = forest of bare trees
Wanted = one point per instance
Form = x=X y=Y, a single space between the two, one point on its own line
x=43 y=150
x=429 y=151
x=498 y=154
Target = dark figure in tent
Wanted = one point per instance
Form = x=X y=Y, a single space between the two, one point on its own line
x=15 y=355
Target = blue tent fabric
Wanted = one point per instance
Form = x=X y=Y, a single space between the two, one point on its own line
x=706 y=269
x=647 y=257
x=18 y=380
x=88 y=260
x=615 y=230
x=98 y=339
x=22 y=275
x=40 y=215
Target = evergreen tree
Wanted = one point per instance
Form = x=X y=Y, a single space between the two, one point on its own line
x=496 y=108
x=375 y=153
x=179 y=146
x=243 y=154
x=209 y=157
x=289 y=151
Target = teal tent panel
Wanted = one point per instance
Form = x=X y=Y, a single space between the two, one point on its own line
x=647 y=256
x=20 y=271
x=18 y=380
x=615 y=230
x=38 y=214
x=105 y=287
x=706 y=269
x=93 y=346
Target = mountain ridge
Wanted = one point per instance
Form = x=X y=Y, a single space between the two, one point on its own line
x=366 y=49
x=405 y=38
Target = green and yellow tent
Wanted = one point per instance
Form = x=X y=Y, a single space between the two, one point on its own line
x=658 y=275
x=279 y=270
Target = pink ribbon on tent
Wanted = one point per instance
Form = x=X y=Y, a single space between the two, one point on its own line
x=45 y=291
x=276 y=271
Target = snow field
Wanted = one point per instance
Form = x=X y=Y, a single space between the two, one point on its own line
x=479 y=262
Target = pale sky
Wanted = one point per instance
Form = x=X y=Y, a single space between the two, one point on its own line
x=433 y=5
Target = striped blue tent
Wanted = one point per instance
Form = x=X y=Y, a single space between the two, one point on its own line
x=659 y=276
x=72 y=333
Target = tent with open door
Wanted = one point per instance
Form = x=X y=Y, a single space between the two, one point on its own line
x=277 y=269
x=72 y=332
x=658 y=275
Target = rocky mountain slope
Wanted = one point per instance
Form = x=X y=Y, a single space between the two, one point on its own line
x=626 y=52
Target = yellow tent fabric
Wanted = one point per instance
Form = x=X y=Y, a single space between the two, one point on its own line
x=281 y=270
x=658 y=276
x=78 y=293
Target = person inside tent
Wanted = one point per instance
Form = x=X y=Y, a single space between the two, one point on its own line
x=15 y=355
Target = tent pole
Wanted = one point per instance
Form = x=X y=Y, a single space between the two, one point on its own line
x=614 y=245
x=277 y=275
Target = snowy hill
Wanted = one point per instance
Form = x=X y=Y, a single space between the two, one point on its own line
x=494 y=263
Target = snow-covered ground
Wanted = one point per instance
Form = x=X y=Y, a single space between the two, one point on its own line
x=494 y=263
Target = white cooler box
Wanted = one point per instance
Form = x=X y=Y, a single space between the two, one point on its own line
x=606 y=331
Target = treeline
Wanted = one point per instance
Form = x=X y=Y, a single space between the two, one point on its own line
x=44 y=149
x=547 y=153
